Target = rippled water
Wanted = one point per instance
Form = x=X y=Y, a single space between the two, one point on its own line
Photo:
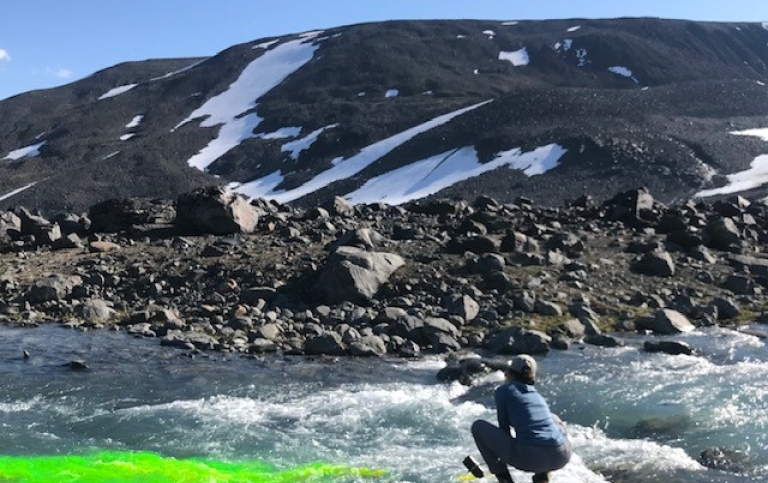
x=632 y=416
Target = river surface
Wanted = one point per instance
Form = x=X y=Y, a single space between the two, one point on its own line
x=632 y=416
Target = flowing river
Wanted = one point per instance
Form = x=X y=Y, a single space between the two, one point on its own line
x=141 y=412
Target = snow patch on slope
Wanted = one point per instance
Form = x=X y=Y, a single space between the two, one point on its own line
x=227 y=109
x=25 y=152
x=17 y=191
x=754 y=177
x=117 y=91
x=622 y=71
x=171 y=74
x=517 y=57
x=427 y=177
x=343 y=168
x=135 y=122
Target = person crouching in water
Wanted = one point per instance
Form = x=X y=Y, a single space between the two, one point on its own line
x=540 y=442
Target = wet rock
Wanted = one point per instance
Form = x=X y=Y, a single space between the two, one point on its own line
x=668 y=347
x=724 y=459
x=726 y=308
x=603 y=340
x=77 y=365
x=665 y=321
x=328 y=343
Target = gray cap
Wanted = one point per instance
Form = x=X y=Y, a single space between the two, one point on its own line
x=523 y=364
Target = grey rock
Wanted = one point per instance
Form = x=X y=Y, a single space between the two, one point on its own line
x=329 y=343
x=603 y=340
x=668 y=347
x=665 y=321
x=96 y=310
x=657 y=264
x=352 y=274
x=548 y=308
x=464 y=306
x=53 y=287
x=216 y=211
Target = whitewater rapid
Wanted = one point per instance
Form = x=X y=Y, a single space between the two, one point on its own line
x=644 y=417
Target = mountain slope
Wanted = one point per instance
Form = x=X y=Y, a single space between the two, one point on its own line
x=399 y=110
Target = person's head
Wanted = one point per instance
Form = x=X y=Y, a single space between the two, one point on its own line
x=522 y=368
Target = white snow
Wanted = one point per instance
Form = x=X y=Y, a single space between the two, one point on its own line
x=126 y=137
x=754 y=177
x=344 y=168
x=567 y=44
x=476 y=71
x=135 y=121
x=431 y=175
x=266 y=45
x=517 y=57
x=461 y=36
x=392 y=93
x=25 y=152
x=762 y=133
x=760 y=83
x=765 y=25
x=574 y=28
x=513 y=22
x=311 y=34
x=17 y=191
x=227 y=109
x=489 y=33
x=117 y=91
x=361 y=94
x=111 y=155
x=299 y=145
x=581 y=54
x=170 y=74
x=622 y=71
x=282 y=133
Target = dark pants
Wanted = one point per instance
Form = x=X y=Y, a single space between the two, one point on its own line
x=500 y=449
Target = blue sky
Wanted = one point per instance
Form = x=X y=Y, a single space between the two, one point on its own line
x=45 y=43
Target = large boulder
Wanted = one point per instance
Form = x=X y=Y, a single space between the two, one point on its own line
x=633 y=207
x=355 y=275
x=215 y=211
x=53 y=287
x=657 y=263
x=723 y=234
x=665 y=321
x=516 y=340
x=117 y=215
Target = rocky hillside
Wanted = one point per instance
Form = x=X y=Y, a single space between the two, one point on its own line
x=398 y=111
x=210 y=271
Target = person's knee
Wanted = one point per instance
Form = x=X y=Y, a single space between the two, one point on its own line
x=477 y=426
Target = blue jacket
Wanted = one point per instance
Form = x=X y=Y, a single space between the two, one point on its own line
x=521 y=407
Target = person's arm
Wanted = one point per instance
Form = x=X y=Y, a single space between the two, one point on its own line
x=559 y=423
x=501 y=408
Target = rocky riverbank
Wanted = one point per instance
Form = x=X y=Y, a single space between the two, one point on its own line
x=211 y=271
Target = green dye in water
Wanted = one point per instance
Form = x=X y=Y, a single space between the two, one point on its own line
x=146 y=467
